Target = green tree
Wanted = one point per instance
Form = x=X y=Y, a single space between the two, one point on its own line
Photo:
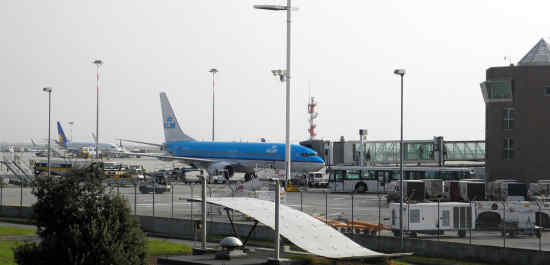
x=79 y=222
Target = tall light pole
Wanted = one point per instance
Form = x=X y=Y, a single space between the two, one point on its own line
x=49 y=90
x=401 y=73
x=98 y=64
x=287 y=75
x=213 y=71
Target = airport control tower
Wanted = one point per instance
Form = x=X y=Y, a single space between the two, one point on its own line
x=517 y=111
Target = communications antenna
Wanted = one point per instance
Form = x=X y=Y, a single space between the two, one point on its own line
x=312 y=116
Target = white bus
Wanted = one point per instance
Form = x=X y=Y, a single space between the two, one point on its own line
x=374 y=179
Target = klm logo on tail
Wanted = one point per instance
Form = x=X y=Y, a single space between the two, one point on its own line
x=170 y=123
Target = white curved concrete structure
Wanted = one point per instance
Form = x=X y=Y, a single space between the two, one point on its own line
x=299 y=228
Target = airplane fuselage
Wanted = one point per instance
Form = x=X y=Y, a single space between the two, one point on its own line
x=249 y=155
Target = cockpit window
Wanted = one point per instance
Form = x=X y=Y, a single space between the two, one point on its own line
x=308 y=154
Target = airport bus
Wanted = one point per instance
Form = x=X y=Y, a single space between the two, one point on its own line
x=374 y=179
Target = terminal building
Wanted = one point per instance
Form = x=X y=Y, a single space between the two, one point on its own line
x=517 y=112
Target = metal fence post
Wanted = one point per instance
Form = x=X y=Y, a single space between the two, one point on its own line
x=192 y=195
x=135 y=197
x=379 y=216
x=538 y=231
x=438 y=221
x=408 y=216
x=504 y=225
x=172 y=201
x=154 y=190
x=470 y=222
x=326 y=207
x=21 y=195
x=301 y=201
x=352 y=215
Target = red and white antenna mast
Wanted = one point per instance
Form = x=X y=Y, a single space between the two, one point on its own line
x=312 y=116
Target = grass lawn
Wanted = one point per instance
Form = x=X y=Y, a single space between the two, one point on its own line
x=16 y=231
x=6 y=251
x=156 y=247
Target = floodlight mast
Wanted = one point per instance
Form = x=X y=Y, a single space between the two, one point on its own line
x=213 y=71
x=98 y=64
x=284 y=75
x=287 y=76
x=49 y=91
x=401 y=73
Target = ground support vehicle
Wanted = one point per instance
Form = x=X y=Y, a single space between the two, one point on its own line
x=317 y=180
x=433 y=218
x=509 y=190
x=155 y=183
x=434 y=188
x=510 y=217
x=150 y=187
x=414 y=190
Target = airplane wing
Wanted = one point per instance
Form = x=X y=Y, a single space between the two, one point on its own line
x=140 y=142
x=169 y=157
x=212 y=166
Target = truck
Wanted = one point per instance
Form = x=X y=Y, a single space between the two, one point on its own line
x=414 y=190
x=433 y=218
x=317 y=180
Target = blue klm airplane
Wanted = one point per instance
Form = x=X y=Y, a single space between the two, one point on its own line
x=228 y=157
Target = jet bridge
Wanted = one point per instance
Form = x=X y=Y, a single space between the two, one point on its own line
x=301 y=229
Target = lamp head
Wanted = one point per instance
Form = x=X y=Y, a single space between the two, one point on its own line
x=271 y=7
x=98 y=62
x=47 y=89
x=213 y=70
x=400 y=72
x=276 y=72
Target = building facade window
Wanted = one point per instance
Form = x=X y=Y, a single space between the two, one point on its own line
x=547 y=91
x=508 y=151
x=509 y=114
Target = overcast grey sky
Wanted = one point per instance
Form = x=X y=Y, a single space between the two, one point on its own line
x=345 y=51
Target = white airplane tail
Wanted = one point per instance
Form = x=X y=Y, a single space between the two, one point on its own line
x=172 y=130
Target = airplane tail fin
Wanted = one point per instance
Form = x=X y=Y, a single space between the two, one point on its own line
x=61 y=135
x=172 y=130
x=33 y=143
x=94 y=137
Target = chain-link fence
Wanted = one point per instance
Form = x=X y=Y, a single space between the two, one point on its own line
x=503 y=224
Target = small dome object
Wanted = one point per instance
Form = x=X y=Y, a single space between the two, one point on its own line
x=231 y=242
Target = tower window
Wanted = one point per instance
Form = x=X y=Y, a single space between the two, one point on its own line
x=509 y=114
x=547 y=91
x=508 y=151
